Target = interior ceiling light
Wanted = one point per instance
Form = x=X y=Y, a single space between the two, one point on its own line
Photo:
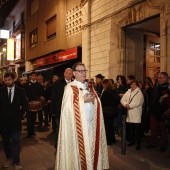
x=2 y=2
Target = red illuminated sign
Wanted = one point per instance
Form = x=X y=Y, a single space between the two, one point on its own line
x=58 y=57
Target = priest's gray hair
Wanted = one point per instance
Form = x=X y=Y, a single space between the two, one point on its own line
x=77 y=64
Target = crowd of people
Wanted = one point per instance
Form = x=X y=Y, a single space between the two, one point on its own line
x=83 y=113
x=145 y=104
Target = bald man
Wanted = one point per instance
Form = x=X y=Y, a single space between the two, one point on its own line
x=56 y=98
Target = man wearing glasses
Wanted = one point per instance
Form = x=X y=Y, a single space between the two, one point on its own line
x=82 y=139
x=56 y=100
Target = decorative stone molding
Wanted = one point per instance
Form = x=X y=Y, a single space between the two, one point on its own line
x=136 y=13
x=156 y=5
x=73 y=20
x=82 y=2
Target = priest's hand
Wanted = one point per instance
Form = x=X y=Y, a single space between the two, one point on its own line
x=88 y=98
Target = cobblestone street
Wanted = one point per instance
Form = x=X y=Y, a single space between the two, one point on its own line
x=38 y=154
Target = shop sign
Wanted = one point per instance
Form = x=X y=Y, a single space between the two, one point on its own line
x=18 y=47
x=40 y=62
x=10 y=49
x=58 y=57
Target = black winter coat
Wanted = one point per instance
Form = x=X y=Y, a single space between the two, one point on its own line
x=156 y=108
x=11 y=113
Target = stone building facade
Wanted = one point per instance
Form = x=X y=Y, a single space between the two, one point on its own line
x=116 y=36
x=15 y=24
x=51 y=26
x=112 y=46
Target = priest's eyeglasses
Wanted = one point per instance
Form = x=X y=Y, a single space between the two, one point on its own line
x=81 y=71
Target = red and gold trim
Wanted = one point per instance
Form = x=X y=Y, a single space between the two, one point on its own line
x=79 y=128
x=96 y=150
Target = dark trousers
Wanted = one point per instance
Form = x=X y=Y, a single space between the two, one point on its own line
x=57 y=131
x=168 y=136
x=11 y=144
x=40 y=117
x=53 y=123
x=135 y=133
x=31 y=117
x=46 y=114
x=154 y=124
x=109 y=127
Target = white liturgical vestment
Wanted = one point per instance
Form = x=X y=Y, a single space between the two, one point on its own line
x=82 y=140
x=89 y=108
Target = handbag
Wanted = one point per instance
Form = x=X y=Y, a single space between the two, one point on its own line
x=122 y=109
x=112 y=111
x=109 y=109
x=120 y=106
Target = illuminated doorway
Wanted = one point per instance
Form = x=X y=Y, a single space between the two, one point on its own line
x=149 y=44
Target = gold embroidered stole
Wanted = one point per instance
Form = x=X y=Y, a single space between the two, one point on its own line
x=96 y=151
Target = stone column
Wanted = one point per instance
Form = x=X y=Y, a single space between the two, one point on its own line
x=117 y=52
x=165 y=38
x=86 y=36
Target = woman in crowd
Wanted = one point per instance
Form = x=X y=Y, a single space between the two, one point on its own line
x=109 y=102
x=149 y=80
x=133 y=100
x=145 y=108
x=121 y=90
x=122 y=85
x=148 y=89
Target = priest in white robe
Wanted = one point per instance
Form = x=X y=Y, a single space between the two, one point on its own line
x=82 y=140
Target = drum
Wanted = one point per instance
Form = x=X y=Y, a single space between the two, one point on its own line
x=34 y=106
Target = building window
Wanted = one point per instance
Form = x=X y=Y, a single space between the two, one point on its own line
x=34 y=38
x=155 y=52
x=51 y=27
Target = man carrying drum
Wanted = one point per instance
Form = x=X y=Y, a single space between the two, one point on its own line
x=34 y=92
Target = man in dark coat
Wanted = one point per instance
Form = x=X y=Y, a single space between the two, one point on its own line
x=98 y=86
x=156 y=111
x=40 y=79
x=13 y=103
x=56 y=98
x=34 y=92
x=47 y=96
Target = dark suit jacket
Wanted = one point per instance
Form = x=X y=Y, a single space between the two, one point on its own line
x=11 y=113
x=48 y=92
x=56 y=97
x=34 y=91
x=156 y=108
x=109 y=98
x=99 y=89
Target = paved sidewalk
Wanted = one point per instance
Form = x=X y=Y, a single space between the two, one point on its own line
x=145 y=159
x=38 y=154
